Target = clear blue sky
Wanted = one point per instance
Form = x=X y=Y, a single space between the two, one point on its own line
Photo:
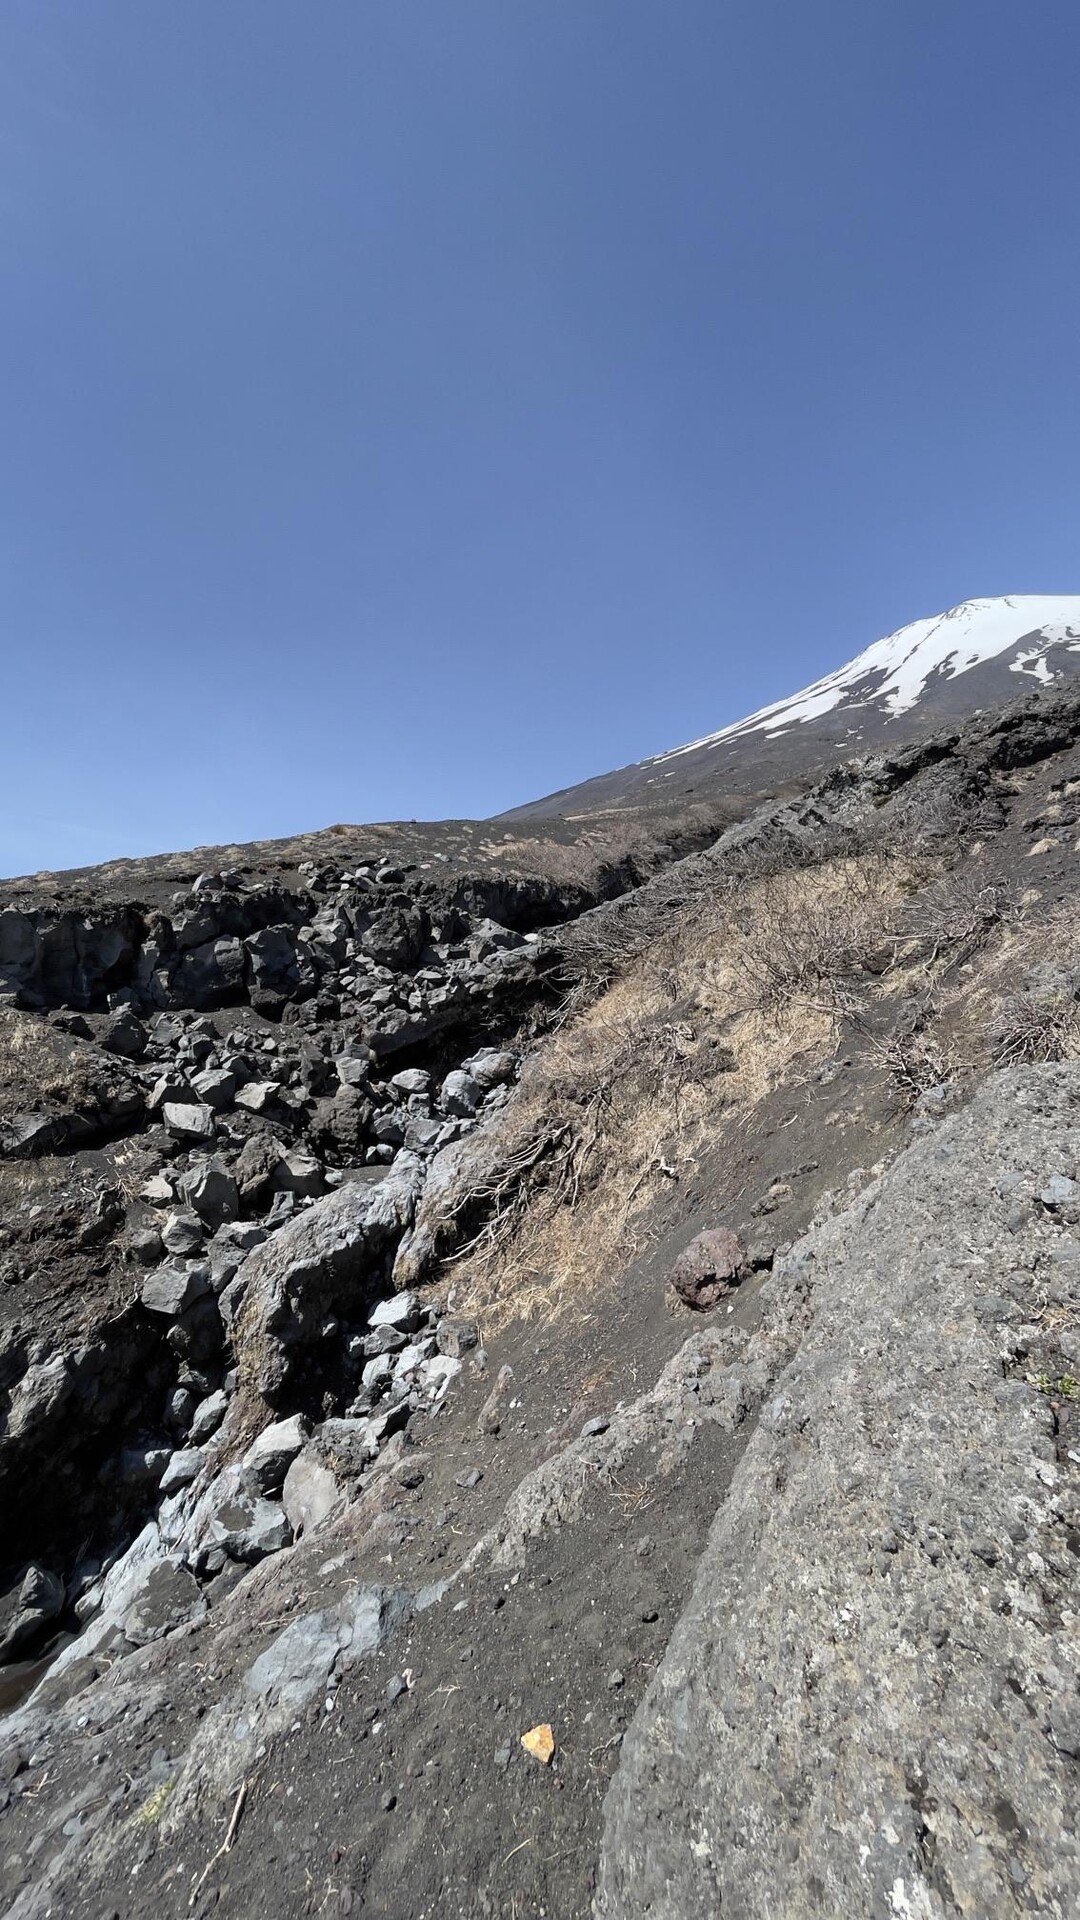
x=412 y=406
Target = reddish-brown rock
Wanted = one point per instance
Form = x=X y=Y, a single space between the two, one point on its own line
x=708 y=1268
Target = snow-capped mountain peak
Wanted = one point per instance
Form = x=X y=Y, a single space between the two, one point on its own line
x=894 y=674
x=929 y=674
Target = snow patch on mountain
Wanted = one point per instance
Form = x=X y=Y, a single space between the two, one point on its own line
x=893 y=674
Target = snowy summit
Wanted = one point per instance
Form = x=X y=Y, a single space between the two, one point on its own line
x=932 y=673
x=894 y=674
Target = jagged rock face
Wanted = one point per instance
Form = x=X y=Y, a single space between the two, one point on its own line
x=326 y=1262
x=275 y=1463
x=181 y=1229
x=871 y=1703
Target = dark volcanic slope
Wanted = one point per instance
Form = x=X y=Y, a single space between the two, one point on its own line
x=981 y=654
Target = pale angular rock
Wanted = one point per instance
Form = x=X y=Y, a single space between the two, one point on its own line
x=460 y=1094
x=400 y=1311
x=268 y=1459
x=310 y=1493
x=209 y=1415
x=189 y=1122
x=248 y=1528
x=184 y=1467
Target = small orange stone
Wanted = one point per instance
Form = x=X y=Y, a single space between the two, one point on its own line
x=540 y=1742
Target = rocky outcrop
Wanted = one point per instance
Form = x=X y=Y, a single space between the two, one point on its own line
x=245 y=1447
x=328 y=1261
x=872 y=1702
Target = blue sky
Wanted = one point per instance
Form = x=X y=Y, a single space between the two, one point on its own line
x=411 y=408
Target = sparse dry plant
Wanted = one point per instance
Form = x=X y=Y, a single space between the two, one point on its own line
x=813 y=937
x=915 y=1061
x=1036 y=1025
x=953 y=917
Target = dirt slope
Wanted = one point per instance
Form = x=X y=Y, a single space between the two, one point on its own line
x=299 y=1683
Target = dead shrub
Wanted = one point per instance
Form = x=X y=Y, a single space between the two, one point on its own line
x=954 y=917
x=598 y=1112
x=1035 y=1025
x=915 y=1061
x=813 y=938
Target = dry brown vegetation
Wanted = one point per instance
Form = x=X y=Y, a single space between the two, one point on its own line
x=686 y=1013
x=599 y=843
x=738 y=990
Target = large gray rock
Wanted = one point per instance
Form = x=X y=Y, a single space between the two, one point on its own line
x=215 y=1086
x=188 y=1122
x=184 y=1466
x=33 y=1604
x=211 y=1189
x=311 y=1492
x=870 y=1705
x=460 y=1094
x=248 y=1527
x=400 y=1311
x=270 y=1456
x=182 y=1232
x=458 y=1179
x=326 y=1261
x=123 y=1032
x=491 y=1067
x=208 y=1416
x=173 y=1289
x=210 y=974
x=396 y=936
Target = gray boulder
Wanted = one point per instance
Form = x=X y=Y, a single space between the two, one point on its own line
x=209 y=1415
x=396 y=937
x=411 y=1080
x=248 y=1528
x=173 y=1289
x=255 y=1167
x=192 y=1121
x=460 y=1094
x=326 y=1261
x=184 y=1467
x=210 y=975
x=215 y=1088
x=212 y=1191
x=269 y=1457
x=258 y=1095
x=145 y=1246
x=123 y=1032
x=182 y=1233
x=310 y=1493
x=456 y=1337
x=491 y=1067
x=34 y=1604
x=300 y=1173
x=401 y=1311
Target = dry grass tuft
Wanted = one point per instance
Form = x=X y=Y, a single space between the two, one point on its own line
x=741 y=989
x=1034 y=1026
x=715 y=999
